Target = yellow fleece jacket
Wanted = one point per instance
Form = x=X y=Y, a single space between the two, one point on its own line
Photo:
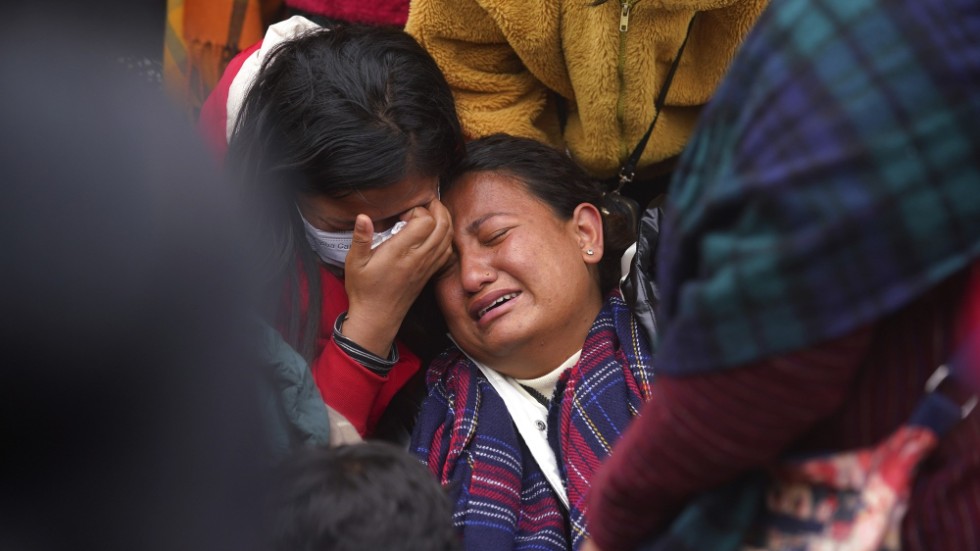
x=506 y=59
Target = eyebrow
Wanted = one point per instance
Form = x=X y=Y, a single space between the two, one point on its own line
x=473 y=226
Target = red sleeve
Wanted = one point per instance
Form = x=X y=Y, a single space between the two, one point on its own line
x=212 y=122
x=700 y=431
x=358 y=393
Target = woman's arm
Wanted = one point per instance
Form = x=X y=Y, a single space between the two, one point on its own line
x=356 y=392
x=698 y=432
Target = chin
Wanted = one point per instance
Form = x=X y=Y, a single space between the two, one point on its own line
x=488 y=352
x=494 y=344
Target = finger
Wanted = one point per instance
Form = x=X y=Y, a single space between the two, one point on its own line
x=414 y=213
x=360 y=247
x=441 y=213
x=439 y=256
x=419 y=224
x=446 y=258
x=441 y=234
x=424 y=233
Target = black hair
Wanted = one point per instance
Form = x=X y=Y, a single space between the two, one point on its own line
x=371 y=495
x=332 y=112
x=555 y=179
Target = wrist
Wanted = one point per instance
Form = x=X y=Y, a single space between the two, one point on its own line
x=376 y=338
x=381 y=365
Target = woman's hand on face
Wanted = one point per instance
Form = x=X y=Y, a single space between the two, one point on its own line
x=383 y=283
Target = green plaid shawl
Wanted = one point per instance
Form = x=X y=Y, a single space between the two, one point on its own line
x=833 y=178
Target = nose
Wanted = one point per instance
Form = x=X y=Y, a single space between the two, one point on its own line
x=475 y=271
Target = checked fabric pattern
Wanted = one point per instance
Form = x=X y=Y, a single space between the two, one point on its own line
x=833 y=179
x=466 y=437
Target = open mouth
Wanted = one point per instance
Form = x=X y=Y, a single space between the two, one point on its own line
x=482 y=312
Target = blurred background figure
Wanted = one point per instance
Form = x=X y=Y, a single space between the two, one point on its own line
x=372 y=495
x=966 y=362
x=129 y=410
x=202 y=36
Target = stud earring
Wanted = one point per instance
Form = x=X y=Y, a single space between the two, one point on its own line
x=590 y=252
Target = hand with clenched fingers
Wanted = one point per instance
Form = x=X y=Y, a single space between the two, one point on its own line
x=384 y=282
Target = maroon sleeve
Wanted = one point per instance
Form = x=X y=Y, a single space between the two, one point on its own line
x=700 y=431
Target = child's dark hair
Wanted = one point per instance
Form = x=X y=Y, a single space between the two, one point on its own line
x=370 y=495
x=560 y=183
x=333 y=112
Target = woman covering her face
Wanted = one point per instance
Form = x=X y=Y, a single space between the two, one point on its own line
x=549 y=365
x=343 y=135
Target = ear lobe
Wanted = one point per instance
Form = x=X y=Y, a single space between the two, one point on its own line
x=588 y=228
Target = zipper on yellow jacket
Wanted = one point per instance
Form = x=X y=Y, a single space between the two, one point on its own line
x=624 y=24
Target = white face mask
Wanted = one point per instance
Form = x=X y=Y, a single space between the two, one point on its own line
x=332 y=247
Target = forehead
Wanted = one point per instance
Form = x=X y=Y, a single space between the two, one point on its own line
x=476 y=194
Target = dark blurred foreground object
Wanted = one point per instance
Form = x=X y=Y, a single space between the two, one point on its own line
x=129 y=417
x=202 y=36
x=967 y=359
x=372 y=495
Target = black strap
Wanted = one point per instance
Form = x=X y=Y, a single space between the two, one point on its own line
x=536 y=395
x=561 y=109
x=628 y=170
x=361 y=355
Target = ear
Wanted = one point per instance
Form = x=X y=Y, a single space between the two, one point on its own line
x=587 y=224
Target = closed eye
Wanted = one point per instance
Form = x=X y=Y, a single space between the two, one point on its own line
x=495 y=237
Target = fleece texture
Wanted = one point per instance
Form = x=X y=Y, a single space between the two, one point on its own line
x=508 y=62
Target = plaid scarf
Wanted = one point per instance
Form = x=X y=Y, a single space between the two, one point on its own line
x=467 y=438
x=832 y=179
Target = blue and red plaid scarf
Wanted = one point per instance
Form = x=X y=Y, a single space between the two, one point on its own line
x=467 y=438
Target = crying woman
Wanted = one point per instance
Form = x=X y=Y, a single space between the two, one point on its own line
x=549 y=365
